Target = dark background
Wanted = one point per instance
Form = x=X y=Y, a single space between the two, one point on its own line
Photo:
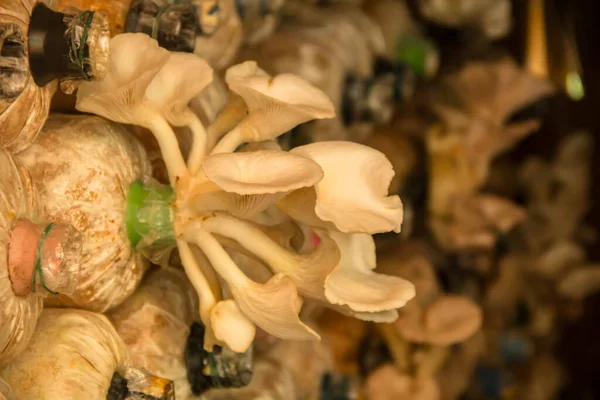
x=579 y=346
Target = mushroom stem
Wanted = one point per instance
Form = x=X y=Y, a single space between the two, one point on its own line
x=199 y=143
x=251 y=238
x=216 y=254
x=229 y=142
x=398 y=346
x=208 y=272
x=273 y=306
x=433 y=361
x=207 y=297
x=232 y=113
x=169 y=148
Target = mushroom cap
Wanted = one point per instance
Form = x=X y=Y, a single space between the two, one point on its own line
x=386 y=383
x=581 y=282
x=452 y=319
x=261 y=171
x=353 y=193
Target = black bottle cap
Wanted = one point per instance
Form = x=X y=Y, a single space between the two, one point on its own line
x=67 y=46
x=174 y=26
x=118 y=388
x=47 y=46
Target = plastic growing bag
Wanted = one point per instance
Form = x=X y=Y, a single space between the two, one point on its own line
x=6 y=392
x=83 y=167
x=24 y=106
x=18 y=314
x=155 y=324
x=76 y=355
x=37 y=259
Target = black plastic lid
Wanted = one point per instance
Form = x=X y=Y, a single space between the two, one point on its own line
x=174 y=26
x=47 y=47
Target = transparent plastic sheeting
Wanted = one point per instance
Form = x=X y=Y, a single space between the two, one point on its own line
x=6 y=392
x=18 y=314
x=270 y=382
x=103 y=159
x=155 y=324
x=24 y=106
x=72 y=355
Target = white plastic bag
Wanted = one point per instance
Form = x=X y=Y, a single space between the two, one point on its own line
x=24 y=106
x=35 y=259
x=82 y=167
x=155 y=323
x=18 y=314
x=73 y=355
x=6 y=392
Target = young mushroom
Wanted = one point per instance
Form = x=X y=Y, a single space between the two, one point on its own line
x=275 y=105
x=448 y=320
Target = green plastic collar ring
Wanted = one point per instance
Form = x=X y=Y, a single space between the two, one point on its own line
x=38 y=261
x=149 y=211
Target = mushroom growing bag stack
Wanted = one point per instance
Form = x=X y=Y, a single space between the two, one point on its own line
x=24 y=106
x=155 y=324
x=34 y=259
x=37 y=48
x=18 y=314
x=82 y=167
x=76 y=355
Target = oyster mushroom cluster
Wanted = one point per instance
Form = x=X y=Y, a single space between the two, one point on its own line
x=334 y=190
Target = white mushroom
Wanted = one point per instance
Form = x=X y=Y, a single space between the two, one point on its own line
x=275 y=105
x=171 y=92
x=353 y=194
x=133 y=92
